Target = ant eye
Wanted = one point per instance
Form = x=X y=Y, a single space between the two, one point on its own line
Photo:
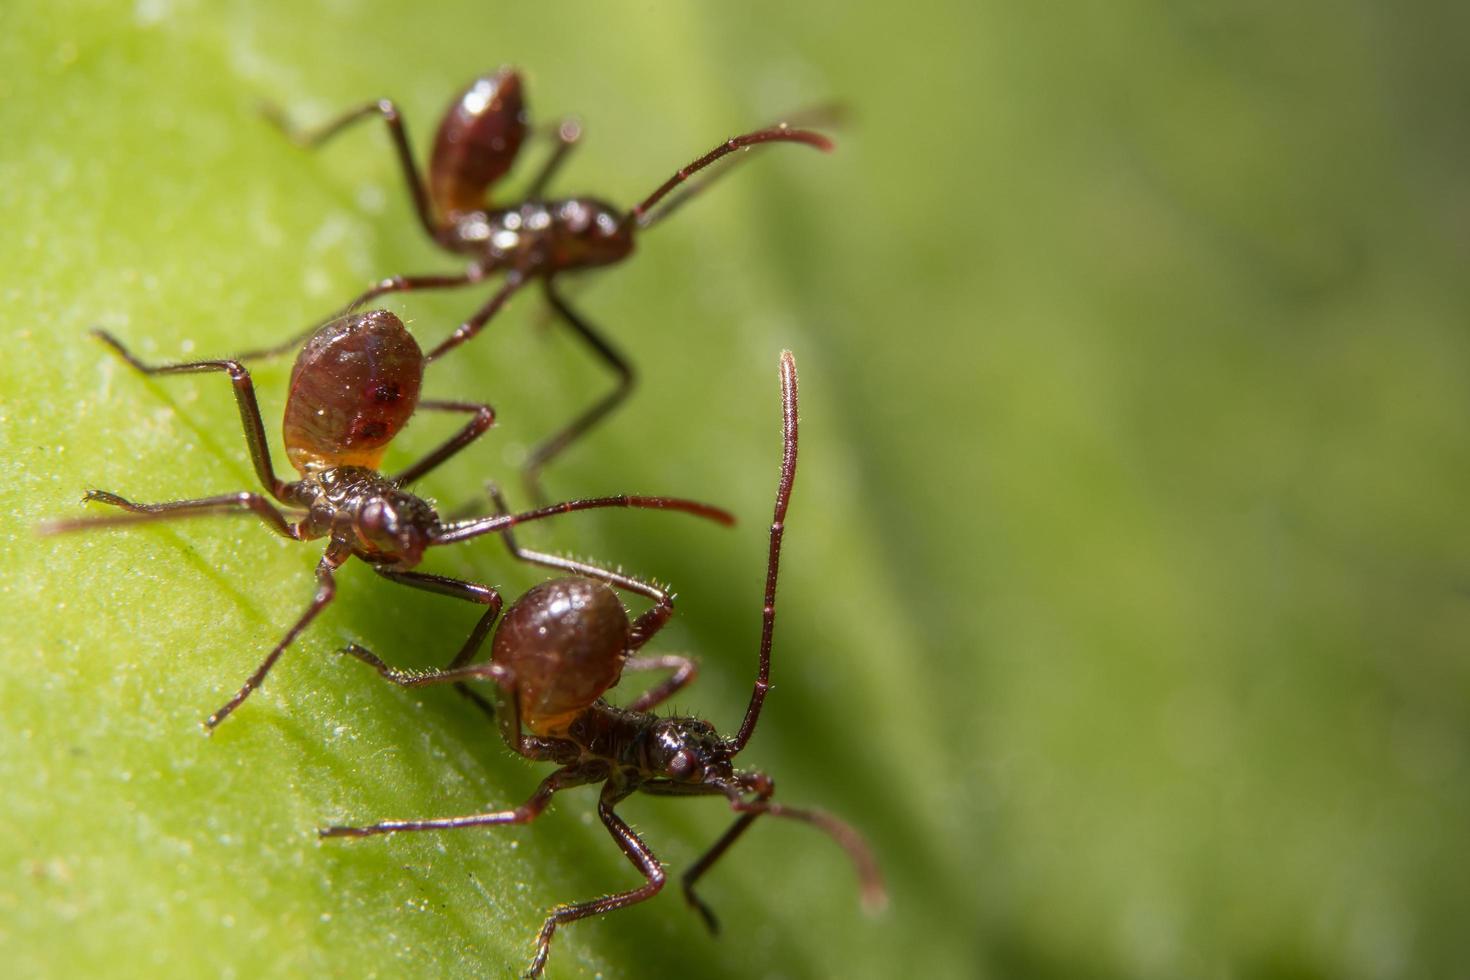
x=683 y=765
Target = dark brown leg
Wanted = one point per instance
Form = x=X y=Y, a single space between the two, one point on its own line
x=685 y=669
x=483 y=420
x=427 y=678
x=384 y=108
x=637 y=852
x=244 y=397
x=875 y=896
x=531 y=809
x=148 y=513
x=532 y=746
x=559 y=441
x=567 y=133
x=698 y=868
x=455 y=589
x=474 y=324
x=325 y=589
x=414 y=284
x=459 y=672
x=644 y=627
x=393 y=284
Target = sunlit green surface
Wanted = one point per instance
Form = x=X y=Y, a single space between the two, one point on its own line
x=1125 y=602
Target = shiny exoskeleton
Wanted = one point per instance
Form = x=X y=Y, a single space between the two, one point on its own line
x=535 y=239
x=354 y=386
x=558 y=649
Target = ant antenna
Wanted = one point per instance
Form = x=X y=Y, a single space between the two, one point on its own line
x=824 y=115
x=780 y=133
x=773 y=563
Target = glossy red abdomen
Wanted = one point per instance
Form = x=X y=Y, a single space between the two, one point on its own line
x=355 y=385
x=477 y=142
x=565 y=642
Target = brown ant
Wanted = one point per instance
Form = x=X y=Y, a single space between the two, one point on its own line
x=538 y=238
x=556 y=651
x=355 y=384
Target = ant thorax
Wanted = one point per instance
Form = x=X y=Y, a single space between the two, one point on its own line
x=380 y=521
x=540 y=237
x=646 y=746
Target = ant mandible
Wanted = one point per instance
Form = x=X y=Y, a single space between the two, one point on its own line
x=559 y=648
x=354 y=385
x=539 y=238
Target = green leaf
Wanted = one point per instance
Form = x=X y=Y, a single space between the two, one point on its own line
x=1123 y=605
x=149 y=196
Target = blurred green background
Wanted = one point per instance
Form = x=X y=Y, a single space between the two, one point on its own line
x=1125 y=605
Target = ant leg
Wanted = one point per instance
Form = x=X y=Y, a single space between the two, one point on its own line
x=483 y=420
x=455 y=589
x=875 y=895
x=148 y=513
x=260 y=453
x=474 y=324
x=564 y=778
x=637 y=853
x=643 y=628
x=780 y=133
x=559 y=441
x=284 y=347
x=716 y=851
x=414 y=678
x=388 y=111
x=685 y=669
x=568 y=133
x=411 y=284
x=393 y=284
x=326 y=588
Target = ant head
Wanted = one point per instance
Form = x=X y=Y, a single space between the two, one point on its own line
x=396 y=525
x=477 y=142
x=355 y=385
x=688 y=750
x=590 y=233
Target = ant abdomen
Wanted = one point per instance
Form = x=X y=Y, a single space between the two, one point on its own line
x=477 y=142
x=354 y=386
x=565 y=643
